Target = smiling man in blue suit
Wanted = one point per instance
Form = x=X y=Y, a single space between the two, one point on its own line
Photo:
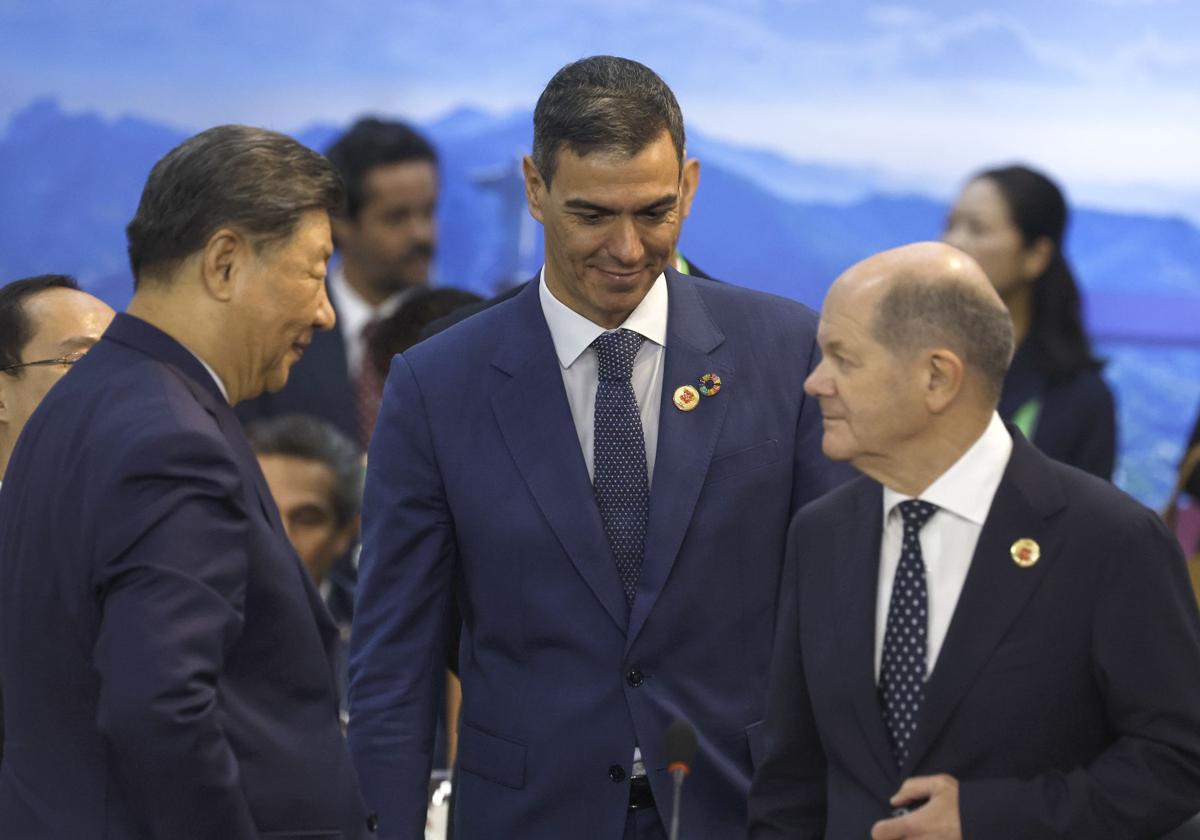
x=167 y=663
x=600 y=471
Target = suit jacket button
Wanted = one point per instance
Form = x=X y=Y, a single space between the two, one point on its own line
x=616 y=773
x=372 y=823
x=635 y=678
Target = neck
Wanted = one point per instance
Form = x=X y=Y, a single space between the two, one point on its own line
x=195 y=327
x=1020 y=307
x=356 y=280
x=6 y=448
x=916 y=464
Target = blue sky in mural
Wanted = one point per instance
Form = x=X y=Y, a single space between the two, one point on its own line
x=1101 y=92
x=827 y=130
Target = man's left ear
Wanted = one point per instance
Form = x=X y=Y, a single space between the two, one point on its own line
x=690 y=180
x=944 y=370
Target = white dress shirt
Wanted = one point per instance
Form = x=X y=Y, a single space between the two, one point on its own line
x=573 y=334
x=963 y=495
x=355 y=313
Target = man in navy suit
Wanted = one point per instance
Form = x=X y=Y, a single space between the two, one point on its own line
x=600 y=471
x=166 y=660
x=974 y=640
x=385 y=237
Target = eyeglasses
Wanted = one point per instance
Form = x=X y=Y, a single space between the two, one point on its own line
x=69 y=359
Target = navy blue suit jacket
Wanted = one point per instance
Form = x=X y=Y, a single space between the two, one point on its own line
x=1065 y=699
x=477 y=489
x=167 y=664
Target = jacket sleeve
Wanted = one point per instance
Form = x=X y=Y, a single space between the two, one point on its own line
x=170 y=577
x=787 y=796
x=398 y=645
x=1146 y=649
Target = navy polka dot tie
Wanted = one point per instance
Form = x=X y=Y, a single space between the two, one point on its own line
x=619 y=456
x=905 y=652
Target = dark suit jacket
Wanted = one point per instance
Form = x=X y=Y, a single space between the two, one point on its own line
x=166 y=661
x=1065 y=699
x=1077 y=418
x=477 y=487
x=320 y=384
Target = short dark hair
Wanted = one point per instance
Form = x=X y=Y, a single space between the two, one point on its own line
x=604 y=103
x=372 y=142
x=16 y=327
x=402 y=329
x=256 y=181
x=311 y=439
x=1038 y=209
x=918 y=313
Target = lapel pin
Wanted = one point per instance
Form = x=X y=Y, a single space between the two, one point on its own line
x=710 y=384
x=686 y=398
x=1025 y=552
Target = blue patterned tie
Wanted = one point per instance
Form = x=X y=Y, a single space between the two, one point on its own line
x=619 y=456
x=905 y=650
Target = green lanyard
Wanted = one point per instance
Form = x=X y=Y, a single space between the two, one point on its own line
x=1025 y=418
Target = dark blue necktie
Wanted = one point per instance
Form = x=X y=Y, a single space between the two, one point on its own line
x=905 y=649
x=619 y=456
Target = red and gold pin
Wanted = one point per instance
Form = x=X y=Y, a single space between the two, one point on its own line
x=710 y=385
x=686 y=398
x=1025 y=552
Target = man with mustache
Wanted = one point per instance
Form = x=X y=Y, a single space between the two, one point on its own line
x=385 y=240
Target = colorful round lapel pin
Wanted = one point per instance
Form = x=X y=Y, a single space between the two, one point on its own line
x=1025 y=552
x=710 y=384
x=686 y=398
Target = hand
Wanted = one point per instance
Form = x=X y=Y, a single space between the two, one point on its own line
x=937 y=819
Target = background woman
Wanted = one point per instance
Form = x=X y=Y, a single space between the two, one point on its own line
x=1012 y=221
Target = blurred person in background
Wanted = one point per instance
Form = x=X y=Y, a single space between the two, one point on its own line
x=385 y=239
x=1012 y=221
x=315 y=474
x=46 y=325
x=407 y=324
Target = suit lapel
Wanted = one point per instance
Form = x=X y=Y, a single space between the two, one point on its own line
x=996 y=589
x=856 y=574
x=686 y=439
x=148 y=339
x=534 y=417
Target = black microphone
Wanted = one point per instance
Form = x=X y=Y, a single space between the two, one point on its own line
x=681 y=749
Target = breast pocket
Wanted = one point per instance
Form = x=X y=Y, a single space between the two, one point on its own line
x=742 y=460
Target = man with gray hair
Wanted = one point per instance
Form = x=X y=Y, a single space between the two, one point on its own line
x=600 y=470
x=973 y=640
x=167 y=664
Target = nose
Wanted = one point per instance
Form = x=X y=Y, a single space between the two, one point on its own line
x=818 y=383
x=625 y=245
x=325 y=317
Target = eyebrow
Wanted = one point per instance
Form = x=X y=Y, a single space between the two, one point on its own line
x=583 y=204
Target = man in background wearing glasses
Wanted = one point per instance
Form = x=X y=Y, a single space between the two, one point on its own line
x=46 y=325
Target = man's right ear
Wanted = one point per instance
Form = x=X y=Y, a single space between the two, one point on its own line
x=535 y=187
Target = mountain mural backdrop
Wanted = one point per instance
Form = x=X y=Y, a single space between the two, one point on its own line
x=71 y=182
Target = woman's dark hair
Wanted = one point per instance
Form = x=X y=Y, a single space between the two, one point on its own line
x=1037 y=207
x=402 y=329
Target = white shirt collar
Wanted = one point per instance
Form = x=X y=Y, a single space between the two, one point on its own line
x=967 y=488
x=572 y=333
x=213 y=374
x=353 y=311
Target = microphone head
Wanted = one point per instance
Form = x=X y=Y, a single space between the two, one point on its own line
x=681 y=745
